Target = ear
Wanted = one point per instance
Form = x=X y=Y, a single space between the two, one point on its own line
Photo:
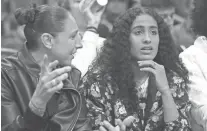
x=47 y=40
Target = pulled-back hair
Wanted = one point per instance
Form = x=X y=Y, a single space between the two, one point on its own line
x=199 y=18
x=41 y=19
x=115 y=58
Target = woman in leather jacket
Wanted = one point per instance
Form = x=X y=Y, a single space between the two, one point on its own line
x=39 y=84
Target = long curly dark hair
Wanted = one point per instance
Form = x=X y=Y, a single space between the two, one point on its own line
x=115 y=59
x=199 y=17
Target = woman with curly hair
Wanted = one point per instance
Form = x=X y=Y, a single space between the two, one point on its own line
x=137 y=80
x=194 y=59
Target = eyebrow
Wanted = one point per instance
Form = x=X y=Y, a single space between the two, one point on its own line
x=139 y=26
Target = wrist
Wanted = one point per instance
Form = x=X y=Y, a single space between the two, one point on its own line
x=93 y=23
x=38 y=103
x=37 y=110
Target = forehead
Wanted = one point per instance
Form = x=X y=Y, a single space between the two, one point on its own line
x=70 y=23
x=144 y=20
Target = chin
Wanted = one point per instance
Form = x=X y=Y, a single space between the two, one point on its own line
x=66 y=63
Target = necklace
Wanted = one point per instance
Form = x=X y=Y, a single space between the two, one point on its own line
x=139 y=83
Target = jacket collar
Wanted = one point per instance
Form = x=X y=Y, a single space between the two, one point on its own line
x=28 y=61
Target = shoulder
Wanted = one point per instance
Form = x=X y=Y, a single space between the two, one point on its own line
x=10 y=68
x=9 y=63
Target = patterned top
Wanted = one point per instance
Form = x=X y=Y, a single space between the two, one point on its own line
x=103 y=104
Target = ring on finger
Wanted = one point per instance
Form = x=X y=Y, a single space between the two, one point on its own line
x=54 y=82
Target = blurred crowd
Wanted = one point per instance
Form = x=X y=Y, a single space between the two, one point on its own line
x=175 y=12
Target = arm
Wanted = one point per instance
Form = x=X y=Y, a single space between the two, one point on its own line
x=180 y=99
x=169 y=107
x=13 y=119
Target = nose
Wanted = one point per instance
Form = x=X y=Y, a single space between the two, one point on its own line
x=78 y=42
x=147 y=39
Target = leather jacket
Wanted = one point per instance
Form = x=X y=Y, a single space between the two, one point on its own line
x=20 y=76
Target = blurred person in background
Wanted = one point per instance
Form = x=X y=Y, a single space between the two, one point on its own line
x=39 y=83
x=137 y=81
x=113 y=9
x=180 y=29
x=183 y=7
x=194 y=59
x=11 y=33
x=183 y=33
x=164 y=8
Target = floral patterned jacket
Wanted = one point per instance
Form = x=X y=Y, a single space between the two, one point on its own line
x=102 y=105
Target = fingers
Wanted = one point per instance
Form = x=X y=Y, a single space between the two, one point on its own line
x=44 y=64
x=108 y=126
x=149 y=69
x=58 y=72
x=128 y=121
x=147 y=63
x=56 y=88
x=101 y=11
x=52 y=65
x=89 y=3
x=88 y=13
x=86 y=5
x=57 y=80
x=120 y=124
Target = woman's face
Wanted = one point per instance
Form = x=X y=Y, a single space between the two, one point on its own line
x=144 y=38
x=66 y=42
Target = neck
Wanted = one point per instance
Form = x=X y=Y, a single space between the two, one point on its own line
x=38 y=55
x=138 y=75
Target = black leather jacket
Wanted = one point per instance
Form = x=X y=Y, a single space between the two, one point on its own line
x=20 y=76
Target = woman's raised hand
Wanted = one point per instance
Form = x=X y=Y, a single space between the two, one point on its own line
x=50 y=82
x=158 y=72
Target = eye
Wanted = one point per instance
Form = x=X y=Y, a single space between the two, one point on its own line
x=73 y=37
x=154 y=32
x=138 y=32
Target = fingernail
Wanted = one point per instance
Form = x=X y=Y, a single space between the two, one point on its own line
x=66 y=75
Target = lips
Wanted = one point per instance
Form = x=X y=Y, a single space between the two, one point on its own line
x=73 y=54
x=146 y=48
